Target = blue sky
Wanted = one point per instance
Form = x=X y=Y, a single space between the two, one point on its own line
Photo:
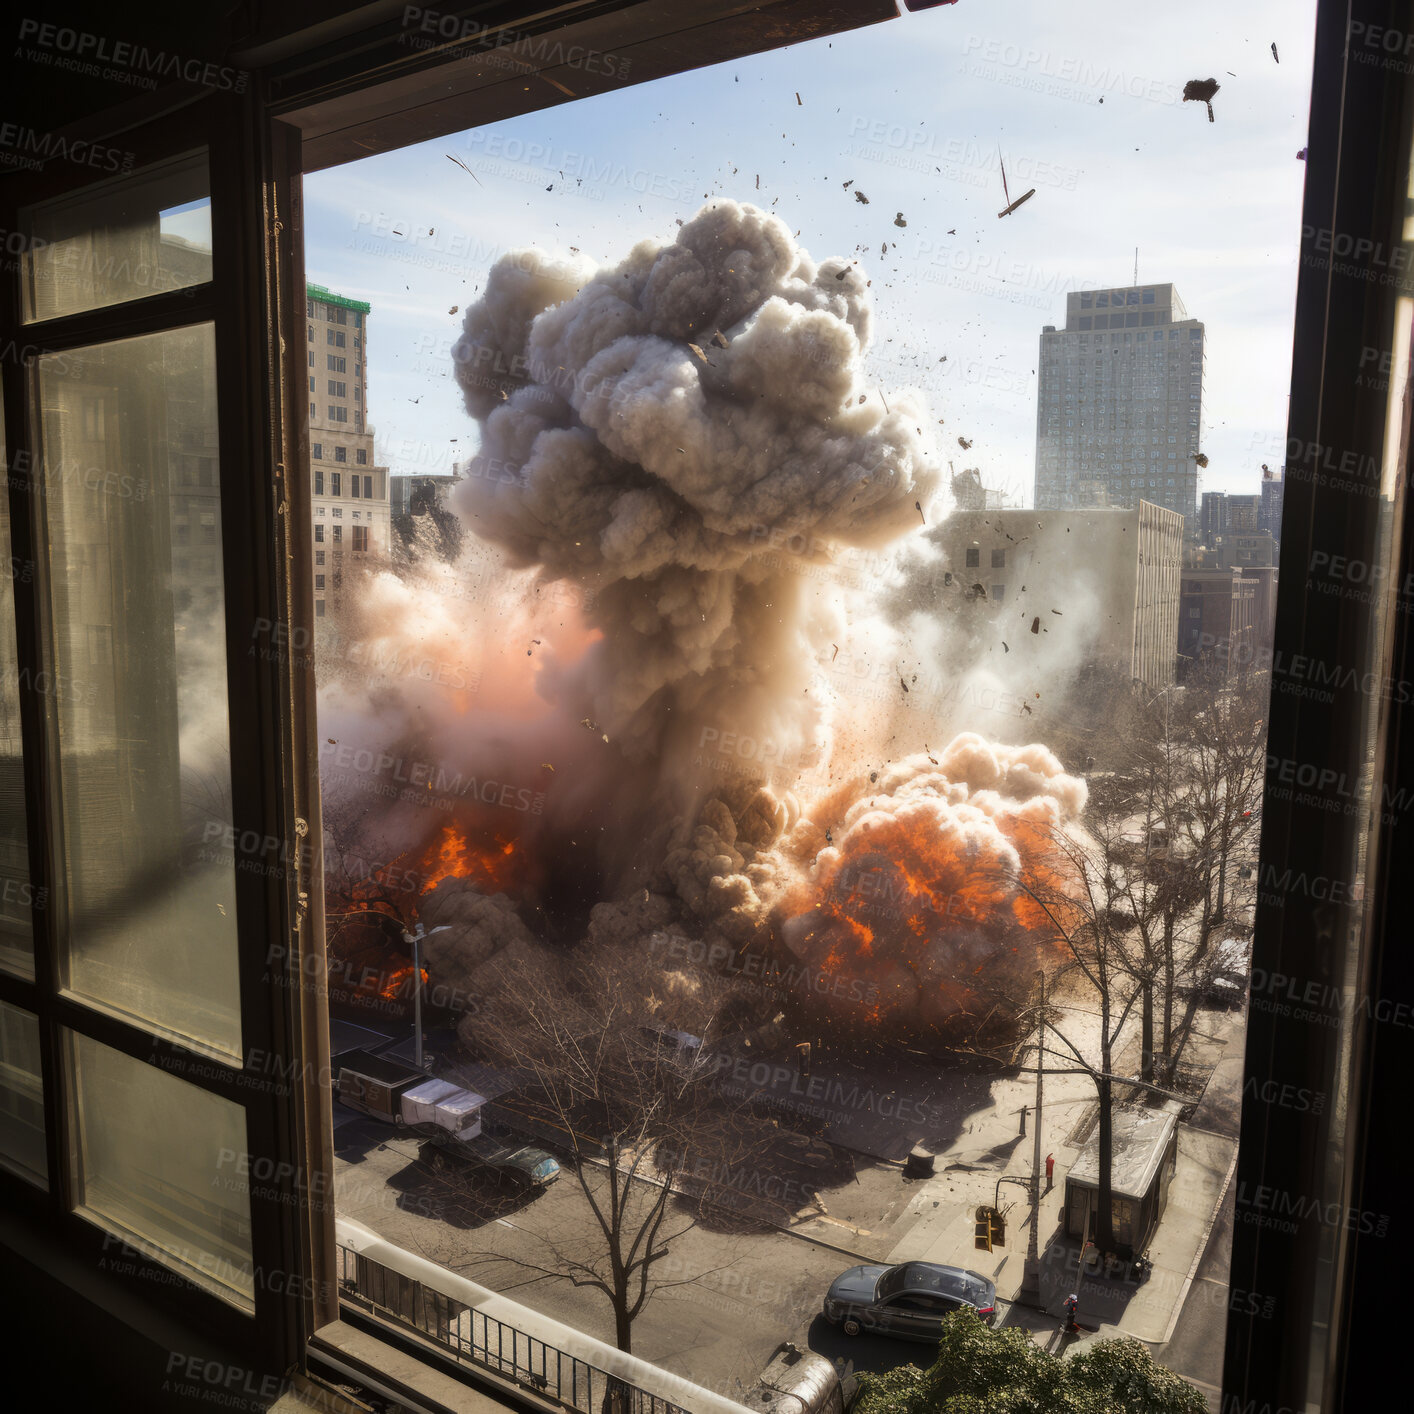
x=912 y=113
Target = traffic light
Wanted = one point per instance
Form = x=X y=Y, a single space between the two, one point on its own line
x=982 y=1239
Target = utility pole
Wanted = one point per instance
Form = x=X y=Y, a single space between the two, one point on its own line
x=1030 y=1291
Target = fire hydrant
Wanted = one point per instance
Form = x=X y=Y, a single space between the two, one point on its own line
x=1050 y=1172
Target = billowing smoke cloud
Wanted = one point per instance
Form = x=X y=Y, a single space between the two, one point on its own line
x=676 y=434
x=911 y=879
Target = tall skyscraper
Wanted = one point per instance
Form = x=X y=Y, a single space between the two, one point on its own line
x=1120 y=407
x=1269 y=517
x=351 y=520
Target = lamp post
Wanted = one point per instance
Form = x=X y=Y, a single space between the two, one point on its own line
x=1030 y=1290
x=414 y=940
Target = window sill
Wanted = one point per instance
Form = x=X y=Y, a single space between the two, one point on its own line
x=383 y=1366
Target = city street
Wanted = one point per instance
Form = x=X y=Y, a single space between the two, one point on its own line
x=730 y=1298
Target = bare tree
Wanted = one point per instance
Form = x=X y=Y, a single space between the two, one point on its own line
x=633 y=1113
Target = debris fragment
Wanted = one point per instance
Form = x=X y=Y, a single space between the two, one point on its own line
x=861 y=198
x=899 y=221
x=1201 y=91
x=1011 y=205
x=1058 y=613
x=1275 y=55
x=719 y=339
x=465 y=169
x=849 y=184
x=588 y=724
x=903 y=684
x=1201 y=458
x=1005 y=649
x=1036 y=624
x=546 y=766
x=454 y=309
x=918 y=506
x=964 y=443
x=836 y=653
x=697 y=351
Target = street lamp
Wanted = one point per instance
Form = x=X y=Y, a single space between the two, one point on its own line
x=414 y=940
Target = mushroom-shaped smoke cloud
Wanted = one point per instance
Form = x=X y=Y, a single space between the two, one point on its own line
x=681 y=434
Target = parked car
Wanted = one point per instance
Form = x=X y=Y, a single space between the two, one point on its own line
x=516 y=1166
x=909 y=1301
x=1222 y=982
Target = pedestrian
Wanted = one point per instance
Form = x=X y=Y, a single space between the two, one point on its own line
x=1072 y=1305
x=1050 y=1172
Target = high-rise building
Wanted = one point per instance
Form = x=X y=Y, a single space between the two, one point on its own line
x=1224 y=513
x=1269 y=513
x=351 y=520
x=1120 y=404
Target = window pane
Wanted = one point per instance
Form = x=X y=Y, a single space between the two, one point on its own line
x=156 y=1162
x=120 y=240
x=16 y=936
x=21 y=1096
x=129 y=469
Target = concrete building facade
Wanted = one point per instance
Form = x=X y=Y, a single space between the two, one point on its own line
x=1224 y=513
x=1218 y=619
x=351 y=512
x=1116 y=573
x=1120 y=402
x=1269 y=514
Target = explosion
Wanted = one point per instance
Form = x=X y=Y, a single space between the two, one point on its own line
x=670 y=449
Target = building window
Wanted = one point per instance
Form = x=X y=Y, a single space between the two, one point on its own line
x=318 y=482
x=368 y=487
x=338 y=534
x=335 y=361
x=360 y=537
x=319 y=536
x=998 y=559
x=341 y=454
x=335 y=481
x=318 y=451
x=319 y=581
x=338 y=514
x=311 y=382
x=311 y=358
x=311 y=412
x=358 y=421
x=974 y=558
x=318 y=608
x=338 y=414
x=999 y=592
x=337 y=389
x=353 y=488
x=361 y=456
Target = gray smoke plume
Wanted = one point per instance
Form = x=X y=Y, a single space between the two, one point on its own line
x=682 y=435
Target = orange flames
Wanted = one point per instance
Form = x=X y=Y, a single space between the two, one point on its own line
x=916 y=905
x=400 y=983
x=492 y=867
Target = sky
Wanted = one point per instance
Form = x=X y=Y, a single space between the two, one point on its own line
x=1081 y=103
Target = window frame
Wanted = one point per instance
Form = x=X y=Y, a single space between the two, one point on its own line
x=264 y=796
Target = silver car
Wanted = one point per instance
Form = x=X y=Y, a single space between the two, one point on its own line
x=909 y=1301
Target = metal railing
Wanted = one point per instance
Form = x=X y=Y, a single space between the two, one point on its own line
x=453 y=1313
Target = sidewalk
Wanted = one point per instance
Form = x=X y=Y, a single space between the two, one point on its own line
x=938 y=1225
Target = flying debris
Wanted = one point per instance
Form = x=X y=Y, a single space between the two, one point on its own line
x=465 y=169
x=1011 y=205
x=1036 y=624
x=860 y=197
x=918 y=506
x=964 y=443
x=899 y=221
x=454 y=309
x=1201 y=91
x=1275 y=55
x=695 y=349
x=719 y=339
x=1201 y=458
x=799 y=104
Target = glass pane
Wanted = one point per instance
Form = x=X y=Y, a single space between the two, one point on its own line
x=21 y=1096
x=120 y=240
x=132 y=514
x=155 y=1161
x=16 y=936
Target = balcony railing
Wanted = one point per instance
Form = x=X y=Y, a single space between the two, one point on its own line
x=490 y=1332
